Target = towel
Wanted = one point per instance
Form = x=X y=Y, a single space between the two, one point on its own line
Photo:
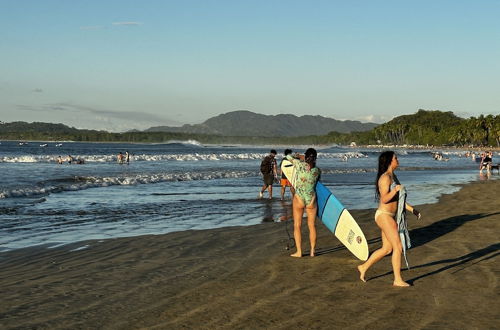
x=404 y=235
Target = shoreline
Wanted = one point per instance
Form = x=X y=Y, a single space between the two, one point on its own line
x=242 y=277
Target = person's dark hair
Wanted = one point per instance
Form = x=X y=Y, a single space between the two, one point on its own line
x=310 y=157
x=384 y=160
x=273 y=151
x=288 y=151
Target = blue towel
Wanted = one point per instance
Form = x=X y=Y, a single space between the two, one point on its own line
x=404 y=235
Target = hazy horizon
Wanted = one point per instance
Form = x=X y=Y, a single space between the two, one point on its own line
x=118 y=66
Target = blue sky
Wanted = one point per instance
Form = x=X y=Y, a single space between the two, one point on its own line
x=119 y=65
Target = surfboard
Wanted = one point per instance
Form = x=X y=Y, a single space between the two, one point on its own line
x=334 y=216
x=288 y=169
x=340 y=222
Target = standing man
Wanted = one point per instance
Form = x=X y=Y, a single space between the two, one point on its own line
x=269 y=172
x=119 y=158
x=284 y=181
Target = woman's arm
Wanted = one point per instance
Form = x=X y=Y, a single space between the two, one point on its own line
x=413 y=210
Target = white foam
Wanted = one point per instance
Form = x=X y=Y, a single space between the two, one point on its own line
x=96 y=182
x=187 y=142
x=100 y=158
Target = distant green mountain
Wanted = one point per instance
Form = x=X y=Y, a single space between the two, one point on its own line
x=247 y=123
x=36 y=127
x=424 y=127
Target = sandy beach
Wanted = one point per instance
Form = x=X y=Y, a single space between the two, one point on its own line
x=243 y=277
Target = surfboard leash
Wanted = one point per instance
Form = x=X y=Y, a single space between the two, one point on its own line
x=291 y=241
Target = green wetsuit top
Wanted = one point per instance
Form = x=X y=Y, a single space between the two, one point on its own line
x=306 y=180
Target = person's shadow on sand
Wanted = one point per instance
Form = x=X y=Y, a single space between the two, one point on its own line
x=421 y=236
x=488 y=252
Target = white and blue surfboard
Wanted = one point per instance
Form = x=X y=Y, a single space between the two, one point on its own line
x=340 y=222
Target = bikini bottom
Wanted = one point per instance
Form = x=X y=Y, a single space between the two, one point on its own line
x=379 y=212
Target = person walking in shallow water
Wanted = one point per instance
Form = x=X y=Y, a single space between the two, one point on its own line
x=269 y=172
x=305 y=198
x=385 y=217
x=284 y=180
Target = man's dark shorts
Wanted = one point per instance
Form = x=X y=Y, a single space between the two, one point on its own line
x=268 y=179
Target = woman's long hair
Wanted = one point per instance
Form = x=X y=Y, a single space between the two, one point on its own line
x=384 y=160
x=310 y=157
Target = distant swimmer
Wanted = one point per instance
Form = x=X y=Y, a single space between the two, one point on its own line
x=59 y=160
x=119 y=158
x=389 y=217
x=486 y=162
x=127 y=157
x=70 y=159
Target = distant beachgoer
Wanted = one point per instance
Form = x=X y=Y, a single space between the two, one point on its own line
x=70 y=159
x=284 y=181
x=119 y=158
x=486 y=162
x=387 y=191
x=305 y=198
x=59 y=160
x=269 y=173
x=127 y=157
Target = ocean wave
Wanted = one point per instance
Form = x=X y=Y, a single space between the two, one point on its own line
x=82 y=183
x=186 y=142
x=100 y=158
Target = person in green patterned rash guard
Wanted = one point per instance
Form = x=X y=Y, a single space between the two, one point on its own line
x=305 y=198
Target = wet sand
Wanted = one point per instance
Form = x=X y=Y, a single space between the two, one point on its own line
x=244 y=278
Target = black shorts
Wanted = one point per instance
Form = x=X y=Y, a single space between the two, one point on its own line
x=268 y=179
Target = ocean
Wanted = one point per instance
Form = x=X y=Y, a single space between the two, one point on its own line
x=182 y=185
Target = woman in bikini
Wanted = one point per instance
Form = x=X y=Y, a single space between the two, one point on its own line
x=305 y=198
x=387 y=191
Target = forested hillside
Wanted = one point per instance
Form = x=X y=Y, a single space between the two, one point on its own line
x=247 y=123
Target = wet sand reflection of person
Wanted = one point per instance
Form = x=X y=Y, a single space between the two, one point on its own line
x=268 y=211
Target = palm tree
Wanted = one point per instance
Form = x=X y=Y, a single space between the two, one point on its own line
x=495 y=130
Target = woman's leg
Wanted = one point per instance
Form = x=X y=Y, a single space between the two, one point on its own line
x=375 y=256
x=298 y=211
x=390 y=229
x=311 y=211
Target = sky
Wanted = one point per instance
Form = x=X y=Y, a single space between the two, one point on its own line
x=121 y=65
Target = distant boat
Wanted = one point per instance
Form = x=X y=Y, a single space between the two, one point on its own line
x=59 y=145
x=43 y=145
x=23 y=143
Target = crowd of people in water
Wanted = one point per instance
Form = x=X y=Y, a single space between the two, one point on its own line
x=121 y=158
x=70 y=160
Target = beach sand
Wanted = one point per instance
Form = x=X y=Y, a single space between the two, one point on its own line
x=243 y=277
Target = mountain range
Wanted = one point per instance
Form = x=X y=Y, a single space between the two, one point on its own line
x=247 y=123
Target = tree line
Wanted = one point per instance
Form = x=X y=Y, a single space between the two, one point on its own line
x=422 y=128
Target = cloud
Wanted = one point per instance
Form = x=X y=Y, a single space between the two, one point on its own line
x=94 y=118
x=374 y=118
x=127 y=23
